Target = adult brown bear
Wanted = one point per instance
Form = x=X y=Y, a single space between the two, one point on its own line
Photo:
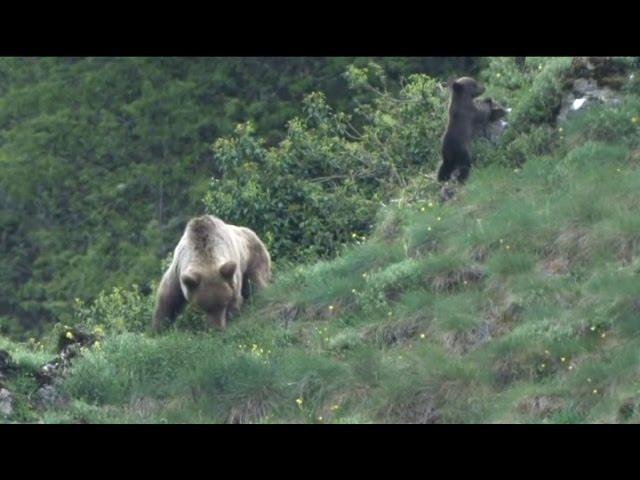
x=213 y=267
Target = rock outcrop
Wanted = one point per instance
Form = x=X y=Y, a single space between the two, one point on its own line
x=592 y=80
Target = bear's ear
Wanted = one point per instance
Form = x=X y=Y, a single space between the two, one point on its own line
x=457 y=87
x=227 y=270
x=190 y=280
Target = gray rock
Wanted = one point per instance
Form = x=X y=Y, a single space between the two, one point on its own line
x=585 y=86
x=48 y=395
x=6 y=402
x=584 y=93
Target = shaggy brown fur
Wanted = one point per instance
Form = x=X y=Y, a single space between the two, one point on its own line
x=463 y=112
x=214 y=267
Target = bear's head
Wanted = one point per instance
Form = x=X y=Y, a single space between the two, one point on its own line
x=467 y=86
x=211 y=290
x=496 y=111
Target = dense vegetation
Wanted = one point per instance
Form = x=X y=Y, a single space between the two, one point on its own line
x=516 y=301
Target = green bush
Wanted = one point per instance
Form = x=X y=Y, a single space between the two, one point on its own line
x=322 y=185
x=117 y=312
x=541 y=101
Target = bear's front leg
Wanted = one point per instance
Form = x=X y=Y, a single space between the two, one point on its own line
x=169 y=301
x=234 y=306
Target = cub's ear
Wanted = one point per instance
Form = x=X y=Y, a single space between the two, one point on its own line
x=227 y=270
x=457 y=87
x=190 y=280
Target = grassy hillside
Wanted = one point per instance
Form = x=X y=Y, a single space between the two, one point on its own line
x=516 y=301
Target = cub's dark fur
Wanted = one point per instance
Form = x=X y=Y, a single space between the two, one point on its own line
x=463 y=116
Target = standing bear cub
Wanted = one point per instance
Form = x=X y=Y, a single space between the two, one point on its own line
x=464 y=115
x=213 y=267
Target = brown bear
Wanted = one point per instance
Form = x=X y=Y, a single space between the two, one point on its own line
x=463 y=114
x=488 y=111
x=213 y=267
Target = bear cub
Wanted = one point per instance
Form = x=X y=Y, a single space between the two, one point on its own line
x=489 y=111
x=468 y=119
x=214 y=267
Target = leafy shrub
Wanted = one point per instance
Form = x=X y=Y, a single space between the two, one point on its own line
x=540 y=102
x=118 y=311
x=322 y=185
